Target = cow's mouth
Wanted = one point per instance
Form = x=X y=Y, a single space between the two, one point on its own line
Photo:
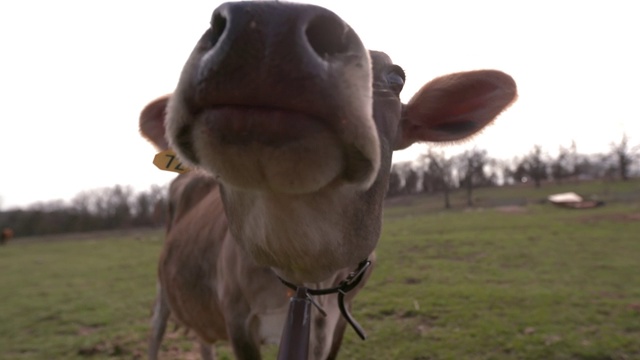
x=286 y=131
x=246 y=125
x=276 y=149
x=269 y=149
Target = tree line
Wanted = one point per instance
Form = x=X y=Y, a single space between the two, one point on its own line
x=436 y=172
x=120 y=207
x=117 y=207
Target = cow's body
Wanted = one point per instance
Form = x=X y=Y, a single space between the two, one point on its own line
x=6 y=235
x=208 y=284
x=296 y=121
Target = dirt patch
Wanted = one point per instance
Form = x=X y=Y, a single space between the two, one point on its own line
x=85 y=330
x=106 y=348
x=176 y=352
x=402 y=200
x=619 y=217
x=511 y=209
x=180 y=343
x=412 y=281
x=140 y=234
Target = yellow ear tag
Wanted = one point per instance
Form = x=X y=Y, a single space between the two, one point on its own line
x=168 y=160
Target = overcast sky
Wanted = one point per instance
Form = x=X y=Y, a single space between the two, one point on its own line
x=74 y=76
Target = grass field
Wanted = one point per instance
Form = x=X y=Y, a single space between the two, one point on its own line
x=507 y=282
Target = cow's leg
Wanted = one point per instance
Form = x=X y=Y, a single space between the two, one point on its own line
x=206 y=351
x=244 y=342
x=336 y=342
x=242 y=335
x=159 y=320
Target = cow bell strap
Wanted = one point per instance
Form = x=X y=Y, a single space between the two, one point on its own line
x=346 y=285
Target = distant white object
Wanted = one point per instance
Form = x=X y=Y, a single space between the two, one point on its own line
x=568 y=197
x=572 y=200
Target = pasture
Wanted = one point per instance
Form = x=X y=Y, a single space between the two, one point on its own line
x=494 y=282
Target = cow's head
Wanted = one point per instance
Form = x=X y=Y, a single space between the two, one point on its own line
x=283 y=103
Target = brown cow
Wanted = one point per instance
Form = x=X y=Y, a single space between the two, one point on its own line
x=6 y=235
x=296 y=121
x=207 y=281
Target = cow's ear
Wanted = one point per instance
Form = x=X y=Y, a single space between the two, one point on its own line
x=152 y=122
x=455 y=106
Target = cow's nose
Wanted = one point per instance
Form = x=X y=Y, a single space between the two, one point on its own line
x=247 y=36
x=325 y=33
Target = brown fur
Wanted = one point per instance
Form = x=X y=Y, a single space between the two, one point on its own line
x=6 y=235
x=291 y=136
x=214 y=288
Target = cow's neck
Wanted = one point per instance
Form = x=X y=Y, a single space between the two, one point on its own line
x=305 y=238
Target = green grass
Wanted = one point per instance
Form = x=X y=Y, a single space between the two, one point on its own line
x=524 y=194
x=543 y=283
x=66 y=299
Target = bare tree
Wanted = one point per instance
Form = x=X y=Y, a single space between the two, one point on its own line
x=158 y=195
x=564 y=165
x=145 y=206
x=105 y=208
x=535 y=166
x=81 y=206
x=438 y=168
x=97 y=209
x=471 y=169
x=120 y=205
x=507 y=169
x=624 y=156
x=411 y=181
x=595 y=166
x=142 y=209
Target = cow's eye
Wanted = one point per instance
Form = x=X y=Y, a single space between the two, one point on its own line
x=395 y=79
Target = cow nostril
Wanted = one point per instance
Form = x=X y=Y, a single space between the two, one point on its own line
x=218 y=25
x=328 y=35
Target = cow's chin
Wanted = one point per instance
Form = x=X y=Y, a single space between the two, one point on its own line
x=274 y=150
